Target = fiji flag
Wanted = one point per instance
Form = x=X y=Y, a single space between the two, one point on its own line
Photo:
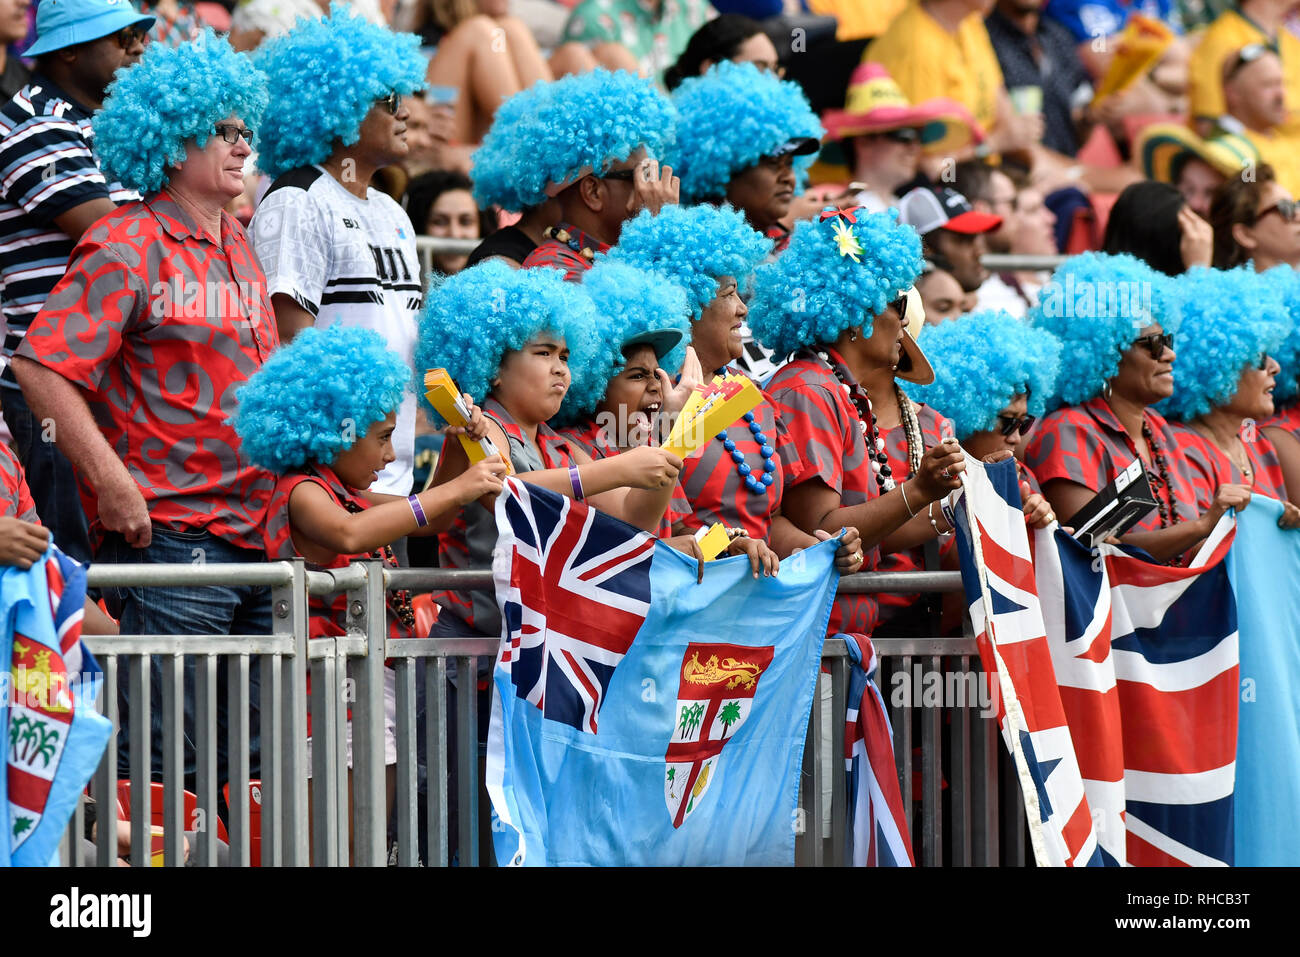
x=54 y=737
x=639 y=717
x=998 y=575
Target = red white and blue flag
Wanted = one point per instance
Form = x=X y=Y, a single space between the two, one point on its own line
x=1117 y=680
x=878 y=834
x=54 y=738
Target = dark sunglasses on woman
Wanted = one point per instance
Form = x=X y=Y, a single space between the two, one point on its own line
x=1156 y=343
x=1286 y=208
x=1011 y=424
x=392 y=102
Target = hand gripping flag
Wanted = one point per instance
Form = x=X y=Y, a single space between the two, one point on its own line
x=878 y=832
x=998 y=576
x=639 y=717
x=54 y=737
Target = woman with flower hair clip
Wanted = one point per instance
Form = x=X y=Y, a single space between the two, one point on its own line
x=1226 y=377
x=739 y=478
x=1116 y=320
x=836 y=301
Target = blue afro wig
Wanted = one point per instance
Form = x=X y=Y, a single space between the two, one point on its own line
x=1287 y=283
x=324 y=76
x=546 y=136
x=981 y=362
x=472 y=319
x=1097 y=304
x=628 y=301
x=317 y=395
x=693 y=246
x=172 y=96
x=730 y=118
x=814 y=291
x=1231 y=318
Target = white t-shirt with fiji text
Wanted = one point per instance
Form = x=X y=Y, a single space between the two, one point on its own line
x=349 y=260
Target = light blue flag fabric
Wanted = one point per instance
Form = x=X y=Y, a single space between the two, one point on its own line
x=1264 y=567
x=640 y=718
x=54 y=738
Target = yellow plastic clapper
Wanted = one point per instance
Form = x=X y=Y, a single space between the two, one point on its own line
x=713 y=540
x=711 y=408
x=446 y=398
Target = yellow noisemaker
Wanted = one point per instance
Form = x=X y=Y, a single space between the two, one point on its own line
x=712 y=408
x=443 y=395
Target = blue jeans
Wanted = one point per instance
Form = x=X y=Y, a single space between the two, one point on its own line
x=49 y=475
x=206 y=610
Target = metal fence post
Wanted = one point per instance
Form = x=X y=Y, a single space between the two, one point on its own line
x=369 y=799
x=293 y=832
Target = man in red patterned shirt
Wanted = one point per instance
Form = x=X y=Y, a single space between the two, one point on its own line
x=161 y=315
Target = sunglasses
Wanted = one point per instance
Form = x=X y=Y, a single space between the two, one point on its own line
x=626 y=175
x=1286 y=208
x=392 y=102
x=1245 y=56
x=1155 y=343
x=1011 y=424
x=906 y=134
x=128 y=37
x=900 y=306
x=231 y=133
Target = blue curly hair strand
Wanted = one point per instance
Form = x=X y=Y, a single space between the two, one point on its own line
x=693 y=246
x=837 y=272
x=324 y=76
x=629 y=302
x=1231 y=318
x=172 y=96
x=1096 y=304
x=547 y=135
x=981 y=362
x=730 y=118
x=317 y=395
x=472 y=319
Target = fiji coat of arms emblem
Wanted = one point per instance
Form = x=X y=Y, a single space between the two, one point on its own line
x=714 y=697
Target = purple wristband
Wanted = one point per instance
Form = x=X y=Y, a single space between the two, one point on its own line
x=418 y=511
x=576 y=481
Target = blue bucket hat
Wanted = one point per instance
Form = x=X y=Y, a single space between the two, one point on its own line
x=66 y=23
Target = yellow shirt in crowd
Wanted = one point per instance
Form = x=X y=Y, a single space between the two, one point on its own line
x=1282 y=152
x=928 y=61
x=859 y=18
x=1223 y=38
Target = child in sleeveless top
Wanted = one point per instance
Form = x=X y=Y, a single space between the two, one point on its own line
x=321 y=415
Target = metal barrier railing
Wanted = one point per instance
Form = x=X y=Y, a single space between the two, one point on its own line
x=349 y=812
x=429 y=246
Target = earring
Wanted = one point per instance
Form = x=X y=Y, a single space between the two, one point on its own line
x=853 y=335
x=1105 y=389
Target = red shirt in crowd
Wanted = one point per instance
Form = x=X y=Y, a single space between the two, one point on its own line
x=566 y=255
x=1288 y=419
x=595 y=441
x=718 y=493
x=1087 y=444
x=160 y=325
x=1211 y=467
x=828 y=443
x=15 y=496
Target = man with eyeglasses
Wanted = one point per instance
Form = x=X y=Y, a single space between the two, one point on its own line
x=1254 y=93
x=51 y=190
x=334 y=248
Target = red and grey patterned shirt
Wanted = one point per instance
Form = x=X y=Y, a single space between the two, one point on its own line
x=595 y=442
x=1211 y=467
x=718 y=493
x=1287 y=419
x=1086 y=444
x=160 y=325
x=566 y=255
x=824 y=428
x=15 y=496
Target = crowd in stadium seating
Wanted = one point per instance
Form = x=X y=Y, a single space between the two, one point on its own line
x=216 y=324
